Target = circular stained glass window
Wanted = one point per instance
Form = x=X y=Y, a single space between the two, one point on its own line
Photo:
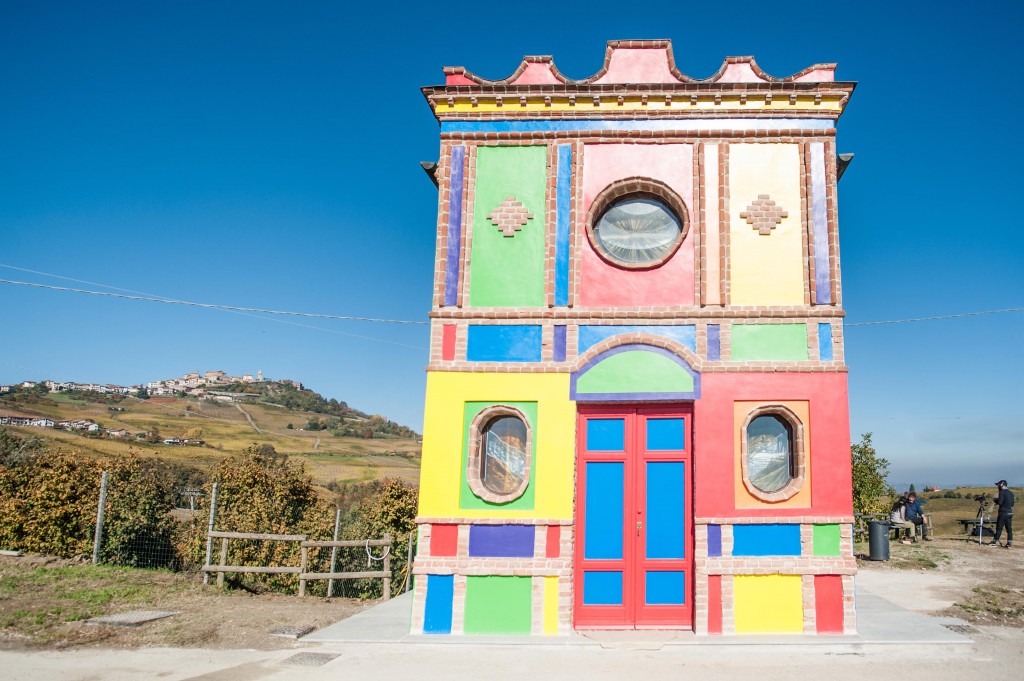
x=637 y=232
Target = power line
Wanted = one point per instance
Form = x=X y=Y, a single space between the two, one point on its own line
x=232 y=308
x=236 y=312
x=929 y=319
x=212 y=306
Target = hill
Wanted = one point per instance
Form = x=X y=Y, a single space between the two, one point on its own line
x=344 y=445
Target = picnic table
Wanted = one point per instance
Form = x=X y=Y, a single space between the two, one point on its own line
x=971 y=526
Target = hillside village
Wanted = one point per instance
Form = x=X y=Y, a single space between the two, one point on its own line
x=194 y=384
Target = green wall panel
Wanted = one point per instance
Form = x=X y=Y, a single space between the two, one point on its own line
x=498 y=605
x=826 y=540
x=635 y=372
x=508 y=271
x=769 y=342
x=466 y=497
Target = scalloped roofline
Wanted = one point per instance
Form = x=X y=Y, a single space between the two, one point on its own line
x=638 y=62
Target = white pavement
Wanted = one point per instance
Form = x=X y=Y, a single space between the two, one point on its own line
x=892 y=642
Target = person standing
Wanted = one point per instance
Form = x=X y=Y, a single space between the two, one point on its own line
x=1004 y=501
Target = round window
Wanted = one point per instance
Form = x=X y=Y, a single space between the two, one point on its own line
x=769 y=453
x=503 y=466
x=637 y=232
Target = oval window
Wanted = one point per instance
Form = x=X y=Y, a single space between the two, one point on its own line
x=637 y=232
x=769 y=453
x=505 y=459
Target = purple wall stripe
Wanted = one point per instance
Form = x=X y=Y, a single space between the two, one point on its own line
x=563 y=203
x=819 y=216
x=558 y=351
x=714 y=541
x=714 y=343
x=501 y=541
x=451 y=270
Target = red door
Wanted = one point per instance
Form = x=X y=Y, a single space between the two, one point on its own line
x=634 y=526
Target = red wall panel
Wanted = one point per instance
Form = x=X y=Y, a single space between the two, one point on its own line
x=828 y=603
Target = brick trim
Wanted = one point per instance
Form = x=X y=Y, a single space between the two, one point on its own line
x=695 y=362
x=462 y=520
x=777 y=519
x=640 y=188
x=474 y=468
x=798 y=461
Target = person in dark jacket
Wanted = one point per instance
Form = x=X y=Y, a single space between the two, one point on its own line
x=918 y=517
x=1005 y=516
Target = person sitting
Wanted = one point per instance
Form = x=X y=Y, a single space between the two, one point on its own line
x=916 y=515
x=898 y=519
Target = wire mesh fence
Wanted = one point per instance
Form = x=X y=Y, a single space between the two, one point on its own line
x=334 y=565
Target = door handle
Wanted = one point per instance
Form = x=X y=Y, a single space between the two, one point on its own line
x=639 y=524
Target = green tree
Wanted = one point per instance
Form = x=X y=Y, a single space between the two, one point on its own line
x=388 y=507
x=870 y=490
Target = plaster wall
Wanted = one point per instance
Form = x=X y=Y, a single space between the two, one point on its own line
x=603 y=284
x=765 y=269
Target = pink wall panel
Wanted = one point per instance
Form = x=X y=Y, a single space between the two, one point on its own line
x=603 y=284
x=829 y=440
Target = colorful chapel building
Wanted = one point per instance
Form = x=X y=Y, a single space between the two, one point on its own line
x=636 y=405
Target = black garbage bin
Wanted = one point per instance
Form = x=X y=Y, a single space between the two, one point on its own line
x=878 y=539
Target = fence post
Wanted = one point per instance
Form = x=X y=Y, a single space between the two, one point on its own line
x=334 y=552
x=387 y=569
x=223 y=561
x=209 y=529
x=97 y=539
x=408 y=564
x=304 y=563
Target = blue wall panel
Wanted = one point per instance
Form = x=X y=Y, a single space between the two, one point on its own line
x=606 y=435
x=665 y=588
x=437 y=618
x=666 y=435
x=590 y=336
x=604 y=503
x=501 y=541
x=766 y=540
x=563 y=203
x=602 y=588
x=825 y=342
x=503 y=343
x=666 y=509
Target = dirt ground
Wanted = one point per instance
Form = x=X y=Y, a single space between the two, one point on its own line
x=984 y=584
x=44 y=602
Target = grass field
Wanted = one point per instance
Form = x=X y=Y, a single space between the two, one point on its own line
x=226 y=428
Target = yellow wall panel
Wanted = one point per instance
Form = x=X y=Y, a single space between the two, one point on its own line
x=443 y=431
x=551 y=605
x=765 y=269
x=768 y=604
x=744 y=499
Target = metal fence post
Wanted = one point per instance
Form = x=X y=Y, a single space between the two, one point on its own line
x=334 y=552
x=209 y=529
x=97 y=539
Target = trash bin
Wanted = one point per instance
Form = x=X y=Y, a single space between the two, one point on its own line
x=878 y=539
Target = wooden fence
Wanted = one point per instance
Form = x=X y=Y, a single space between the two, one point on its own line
x=301 y=570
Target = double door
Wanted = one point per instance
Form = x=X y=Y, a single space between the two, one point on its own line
x=634 y=528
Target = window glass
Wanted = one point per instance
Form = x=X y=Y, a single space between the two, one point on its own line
x=503 y=465
x=769 y=453
x=637 y=231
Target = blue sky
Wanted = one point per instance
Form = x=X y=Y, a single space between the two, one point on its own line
x=266 y=155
